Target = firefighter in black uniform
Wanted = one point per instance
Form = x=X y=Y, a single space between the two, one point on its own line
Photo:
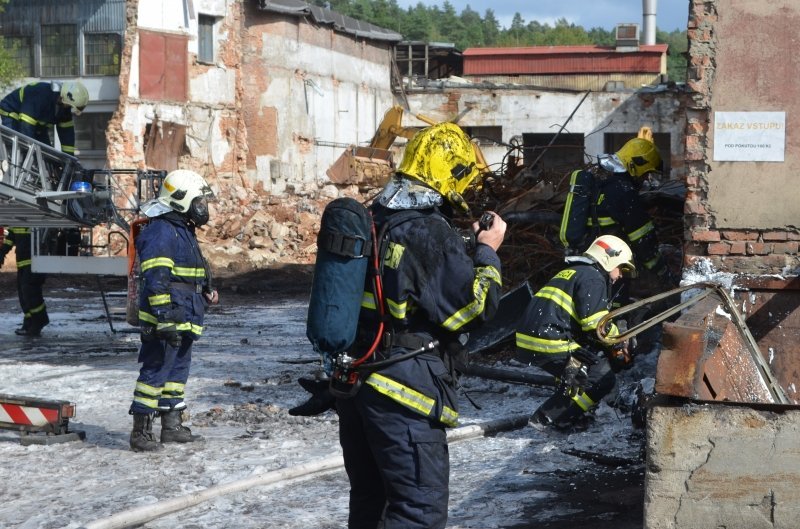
x=173 y=296
x=392 y=429
x=558 y=332
x=36 y=107
x=617 y=208
x=29 y=285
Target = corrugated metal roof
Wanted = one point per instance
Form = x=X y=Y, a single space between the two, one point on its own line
x=340 y=23
x=562 y=60
x=22 y=17
x=555 y=50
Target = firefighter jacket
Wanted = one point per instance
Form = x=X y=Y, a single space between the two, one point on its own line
x=21 y=238
x=432 y=289
x=32 y=109
x=173 y=274
x=563 y=315
x=620 y=211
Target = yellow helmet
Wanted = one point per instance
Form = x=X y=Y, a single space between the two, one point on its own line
x=611 y=252
x=442 y=157
x=639 y=156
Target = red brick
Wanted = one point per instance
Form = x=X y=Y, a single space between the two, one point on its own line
x=718 y=248
x=775 y=236
x=785 y=247
x=758 y=248
x=705 y=236
x=793 y=235
x=729 y=235
x=695 y=207
x=738 y=248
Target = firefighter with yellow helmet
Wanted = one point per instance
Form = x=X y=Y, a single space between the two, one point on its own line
x=173 y=296
x=392 y=427
x=35 y=108
x=615 y=207
x=558 y=332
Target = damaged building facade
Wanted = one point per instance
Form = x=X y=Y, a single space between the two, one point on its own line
x=722 y=438
x=262 y=97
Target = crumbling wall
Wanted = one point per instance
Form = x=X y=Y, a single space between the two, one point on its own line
x=520 y=111
x=744 y=216
x=309 y=92
x=722 y=466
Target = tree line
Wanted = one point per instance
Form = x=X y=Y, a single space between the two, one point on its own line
x=469 y=29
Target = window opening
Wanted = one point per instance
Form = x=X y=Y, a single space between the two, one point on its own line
x=102 y=53
x=205 y=39
x=59 y=50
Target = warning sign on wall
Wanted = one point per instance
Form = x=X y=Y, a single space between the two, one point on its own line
x=749 y=136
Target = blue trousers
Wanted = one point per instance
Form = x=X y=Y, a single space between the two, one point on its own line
x=164 y=367
x=397 y=462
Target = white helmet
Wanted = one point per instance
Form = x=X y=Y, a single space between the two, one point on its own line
x=179 y=191
x=611 y=252
x=75 y=95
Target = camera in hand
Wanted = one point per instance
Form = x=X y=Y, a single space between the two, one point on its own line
x=485 y=222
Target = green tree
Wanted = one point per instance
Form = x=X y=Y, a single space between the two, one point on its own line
x=10 y=70
x=491 y=28
x=473 y=29
x=676 y=55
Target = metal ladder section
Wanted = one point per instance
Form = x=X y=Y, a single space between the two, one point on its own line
x=34 y=182
x=35 y=192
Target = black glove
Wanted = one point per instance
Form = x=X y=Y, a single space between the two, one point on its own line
x=667 y=279
x=619 y=358
x=574 y=377
x=585 y=356
x=320 y=400
x=169 y=334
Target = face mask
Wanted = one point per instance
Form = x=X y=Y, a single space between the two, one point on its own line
x=198 y=211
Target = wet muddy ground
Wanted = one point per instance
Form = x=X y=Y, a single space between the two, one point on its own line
x=243 y=381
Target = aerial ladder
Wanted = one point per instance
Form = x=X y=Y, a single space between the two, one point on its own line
x=45 y=189
x=49 y=191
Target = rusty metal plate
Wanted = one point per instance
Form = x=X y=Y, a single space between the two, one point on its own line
x=704 y=357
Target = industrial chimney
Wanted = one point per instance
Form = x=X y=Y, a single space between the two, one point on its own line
x=649 y=21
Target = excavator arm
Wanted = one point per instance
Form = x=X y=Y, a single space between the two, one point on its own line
x=373 y=164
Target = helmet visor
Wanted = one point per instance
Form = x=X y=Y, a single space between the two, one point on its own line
x=627 y=270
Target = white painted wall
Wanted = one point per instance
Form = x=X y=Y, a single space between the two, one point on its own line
x=535 y=111
x=325 y=100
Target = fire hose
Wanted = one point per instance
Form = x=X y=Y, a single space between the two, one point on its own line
x=706 y=289
x=139 y=515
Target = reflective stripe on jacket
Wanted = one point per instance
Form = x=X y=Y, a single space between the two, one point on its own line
x=433 y=288
x=32 y=109
x=21 y=238
x=621 y=212
x=563 y=315
x=173 y=275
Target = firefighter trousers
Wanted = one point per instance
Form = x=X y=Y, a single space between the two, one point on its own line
x=397 y=462
x=163 y=375
x=31 y=299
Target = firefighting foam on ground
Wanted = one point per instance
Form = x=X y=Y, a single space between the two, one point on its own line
x=243 y=382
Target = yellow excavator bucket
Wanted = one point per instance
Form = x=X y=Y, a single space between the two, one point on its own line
x=368 y=166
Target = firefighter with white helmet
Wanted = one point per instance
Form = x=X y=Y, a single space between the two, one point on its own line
x=35 y=108
x=558 y=332
x=174 y=292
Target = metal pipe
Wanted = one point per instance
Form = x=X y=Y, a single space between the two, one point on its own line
x=649 y=22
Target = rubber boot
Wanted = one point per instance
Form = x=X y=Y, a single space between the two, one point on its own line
x=142 y=437
x=172 y=431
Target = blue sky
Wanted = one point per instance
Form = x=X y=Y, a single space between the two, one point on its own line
x=670 y=14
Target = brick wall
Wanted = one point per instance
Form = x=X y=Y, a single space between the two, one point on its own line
x=747 y=251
